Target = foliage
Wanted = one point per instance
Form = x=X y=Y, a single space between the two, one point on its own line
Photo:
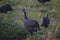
x=12 y=22
x=10 y=28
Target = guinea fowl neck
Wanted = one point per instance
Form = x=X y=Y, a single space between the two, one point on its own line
x=25 y=16
x=47 y=15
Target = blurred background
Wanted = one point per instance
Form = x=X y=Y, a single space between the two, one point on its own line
x=11 y=24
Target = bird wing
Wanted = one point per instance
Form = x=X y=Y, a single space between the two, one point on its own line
x=31 y=24
x=35 y=25
x=46 y=21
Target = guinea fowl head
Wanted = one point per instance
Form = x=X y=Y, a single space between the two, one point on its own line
x=24 y=11
x=46 y=15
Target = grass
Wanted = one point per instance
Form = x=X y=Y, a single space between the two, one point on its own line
x=12 y=22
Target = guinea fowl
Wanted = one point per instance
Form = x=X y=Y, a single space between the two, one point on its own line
x=30 y=25
x=5 y=8
x=43 y=1
x=46 y=21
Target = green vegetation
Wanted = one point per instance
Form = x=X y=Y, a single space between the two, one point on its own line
x=12 y=22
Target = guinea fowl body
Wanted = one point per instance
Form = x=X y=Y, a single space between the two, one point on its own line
x=5 y=8
x=43 y=1
x=30 y=25
x=46 y=21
